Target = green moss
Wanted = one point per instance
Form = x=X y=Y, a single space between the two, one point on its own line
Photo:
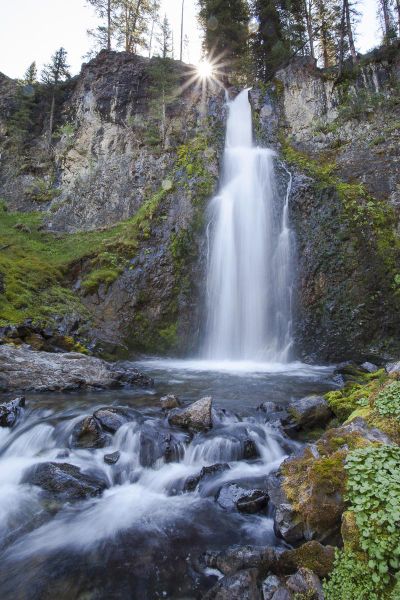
x=101 y=276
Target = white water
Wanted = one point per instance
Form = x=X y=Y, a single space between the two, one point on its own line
x=249 y=284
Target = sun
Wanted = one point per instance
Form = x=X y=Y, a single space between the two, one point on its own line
x=205 y=69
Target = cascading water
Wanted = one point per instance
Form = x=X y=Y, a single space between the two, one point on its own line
x=250 y=275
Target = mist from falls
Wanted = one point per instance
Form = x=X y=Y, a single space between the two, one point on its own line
x=250 y=273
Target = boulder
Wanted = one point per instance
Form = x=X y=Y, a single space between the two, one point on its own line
x=196 y=417
x=307 y=413
x=237 y=558
x=241 y=586
x=88 y=434
x=170 y=401
x=231 y=496
x=24 y=369
x=311 y=555
x=113 y=458
x=270 y=586
x=288 y=525
x=205 y=474
x=369 y=367
x=111 y=418
x=307 y=583
x=282 y=593
x=10 y=411
x=156 y=443
x=393 y=367
x=64 y=480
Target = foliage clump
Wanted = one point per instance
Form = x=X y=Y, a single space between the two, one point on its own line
x=387 y=402
x=373 y=491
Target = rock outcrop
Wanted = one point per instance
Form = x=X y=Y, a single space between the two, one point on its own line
x=24 y=369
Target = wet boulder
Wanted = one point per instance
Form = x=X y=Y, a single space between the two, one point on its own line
x=241 y=586
x=196 y=417
x=64 y=480
x=88 y=434
x=10 y=411
x=282 y=593
x=288 y=525
x=169 y=402
x=237 y=558
x=232 y=496
x=156 y=443
x=307 y=413
x=205 y=474
x=111 y=418
x=113 y=458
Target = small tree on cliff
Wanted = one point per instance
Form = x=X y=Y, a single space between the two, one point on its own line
x=30 y=77
x=52 y=75
x=105 y=10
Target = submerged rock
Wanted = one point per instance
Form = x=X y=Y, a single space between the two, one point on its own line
x=10 y=411
x=237 y=558
x=170 y=401
x=111 y=418
x=24 y=369
x=241 y=586
x=156 y=443
x=197 y=416
x=88 y=434
x=231 y=496
x=65 y=480
x=113 y=458
x=205 y=474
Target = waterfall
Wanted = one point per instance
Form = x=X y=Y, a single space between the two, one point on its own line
x=249 y=281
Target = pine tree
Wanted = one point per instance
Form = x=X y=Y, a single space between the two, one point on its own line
x=52 y=75
x=269 y=46
x=30 y=76
x=105 y=9
x=328 y=21
x=134 y=23
x=388 y=27
x=225 y=23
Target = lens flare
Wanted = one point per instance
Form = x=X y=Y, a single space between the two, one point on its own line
x=205 y=69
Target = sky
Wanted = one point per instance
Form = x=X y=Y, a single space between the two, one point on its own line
x=33 y=29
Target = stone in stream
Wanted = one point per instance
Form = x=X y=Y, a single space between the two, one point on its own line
x=88 y=434
x=113 y=458
x=196 y=417
x=206 y=473
x=64 y=479
x=231 y=496
x=10 y=411
x=156 y=443
x=111 y=418
x=237 y=558
x=170 y=401
x=312 y=555
x=240 y=586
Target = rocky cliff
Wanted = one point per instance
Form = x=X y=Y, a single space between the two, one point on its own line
x=103 y=234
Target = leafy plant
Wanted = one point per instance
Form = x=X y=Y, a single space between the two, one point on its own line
x=387 y=402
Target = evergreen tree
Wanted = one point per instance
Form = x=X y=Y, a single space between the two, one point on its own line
x=134 y=23
x=328 y=21
x=52 y=75
x=30 y=76
x=269 y=46
x=225 y=23
x=105 y=9
x=386 y=14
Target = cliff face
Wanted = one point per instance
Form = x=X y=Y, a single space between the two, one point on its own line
x=341 y=138
x=122 y=195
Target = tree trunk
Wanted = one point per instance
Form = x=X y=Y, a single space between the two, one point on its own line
x=398 y=15
x=310 y=32
x=350 y=33
x=386 y=18
x=51 y=120
x=341 y=42
x=183 y=9
x=109 y=25
x=151 y=37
